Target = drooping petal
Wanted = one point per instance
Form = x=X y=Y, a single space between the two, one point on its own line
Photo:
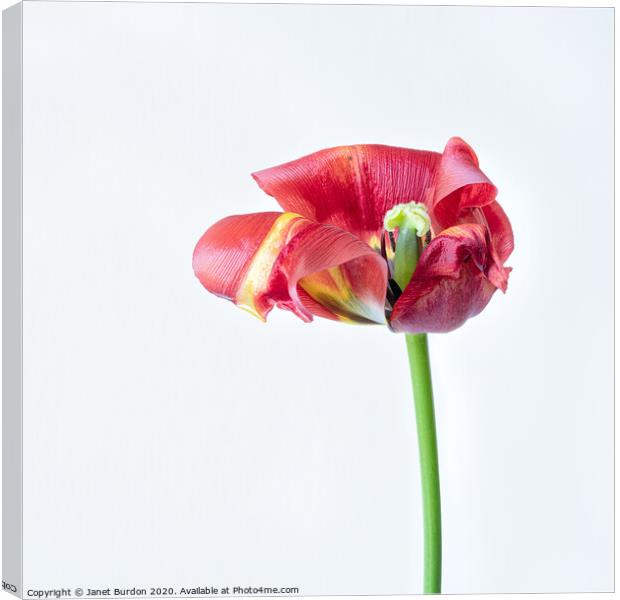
x=283 y=259
x=450 y=283
x=351 y=187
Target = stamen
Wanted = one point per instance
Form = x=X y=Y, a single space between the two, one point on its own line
x=392 y=240
x=393 y=291
x=383 y=248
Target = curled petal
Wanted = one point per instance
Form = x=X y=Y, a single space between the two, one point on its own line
x=462 y=193
x=351 y=187
x=459 y=184
x=224 y=253
x=283 y=259
x=450 y=283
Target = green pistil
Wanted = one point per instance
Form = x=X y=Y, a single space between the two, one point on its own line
x=413 y=223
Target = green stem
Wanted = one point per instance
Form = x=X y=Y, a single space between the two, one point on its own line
x=419 y=365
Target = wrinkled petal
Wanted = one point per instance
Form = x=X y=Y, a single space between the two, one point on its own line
x=351 y=187
x=499 y=238
x=462 y=194
x=450 y=283
x=499 y=229
x=283 y=259
x=223 y=254
x=459 y=185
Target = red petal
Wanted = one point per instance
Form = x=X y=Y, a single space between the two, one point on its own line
x=282 y=259
x=500 y=230
x=224 y=252
x=464 y=194
x=351 y=187
x=449 y=285
x=459 y=185
x=336 y=270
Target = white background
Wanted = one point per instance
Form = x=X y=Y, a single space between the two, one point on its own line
x=180 y=442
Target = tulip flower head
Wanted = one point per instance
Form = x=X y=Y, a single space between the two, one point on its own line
x=369 y=234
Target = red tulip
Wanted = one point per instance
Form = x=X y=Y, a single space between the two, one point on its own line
x=329 y=254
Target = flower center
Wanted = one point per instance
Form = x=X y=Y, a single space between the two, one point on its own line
x=412 y=222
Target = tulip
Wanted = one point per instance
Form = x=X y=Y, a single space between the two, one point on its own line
x=329 y=254
x=372 y=234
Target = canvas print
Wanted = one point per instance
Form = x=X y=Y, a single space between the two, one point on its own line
x=412 y=206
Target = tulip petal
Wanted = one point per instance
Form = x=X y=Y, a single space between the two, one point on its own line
x=500 y=230
x=283 y=259
x=224 y=253
x=450 y=283
x=351 y=187
x=463 y=194
x=459 y=185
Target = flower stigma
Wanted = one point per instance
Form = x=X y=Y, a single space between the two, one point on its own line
x=412 y=215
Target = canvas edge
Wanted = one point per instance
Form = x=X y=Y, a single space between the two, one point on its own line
x=12 y=422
